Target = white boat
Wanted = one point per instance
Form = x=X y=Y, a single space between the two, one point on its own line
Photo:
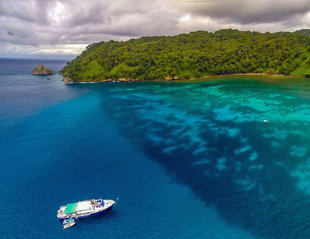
x=68 y=223
x=83 y=209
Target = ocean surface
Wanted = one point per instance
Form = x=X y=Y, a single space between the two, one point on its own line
x=217 y=159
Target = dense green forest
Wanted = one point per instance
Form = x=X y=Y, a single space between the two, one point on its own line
x=193 y=55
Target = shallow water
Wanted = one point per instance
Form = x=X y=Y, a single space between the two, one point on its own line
x=184 y=159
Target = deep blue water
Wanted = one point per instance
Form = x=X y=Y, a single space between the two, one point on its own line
x=182 y=159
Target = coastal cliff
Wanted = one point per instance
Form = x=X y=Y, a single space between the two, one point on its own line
x=194 y=55
x=42 y=70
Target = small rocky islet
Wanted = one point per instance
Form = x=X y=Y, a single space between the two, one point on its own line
x=42 y=70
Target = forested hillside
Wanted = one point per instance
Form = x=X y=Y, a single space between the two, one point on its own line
x=192 y=55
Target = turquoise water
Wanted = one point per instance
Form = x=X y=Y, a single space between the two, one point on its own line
x=182 y=159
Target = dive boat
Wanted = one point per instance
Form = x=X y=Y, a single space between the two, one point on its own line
x=68 y=223
x=83 y=209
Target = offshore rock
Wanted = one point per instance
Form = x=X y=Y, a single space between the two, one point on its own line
x=42 y=70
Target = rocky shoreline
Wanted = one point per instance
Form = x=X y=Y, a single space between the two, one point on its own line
x=68 y=80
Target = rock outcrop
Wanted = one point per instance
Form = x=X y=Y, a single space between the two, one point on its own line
x=67 y=80
x=42 y=70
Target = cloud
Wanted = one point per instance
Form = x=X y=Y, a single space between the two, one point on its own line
x=246 y=11
x=56 y=25
x=61 y=22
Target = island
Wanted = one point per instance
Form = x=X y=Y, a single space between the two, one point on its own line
x=194 y=55
x=42 y=70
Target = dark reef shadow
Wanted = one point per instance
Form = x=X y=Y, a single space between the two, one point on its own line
x=261 y=198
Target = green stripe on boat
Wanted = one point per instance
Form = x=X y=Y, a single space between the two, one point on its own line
x=71 y=208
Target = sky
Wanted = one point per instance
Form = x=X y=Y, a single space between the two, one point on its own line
x=63 y=28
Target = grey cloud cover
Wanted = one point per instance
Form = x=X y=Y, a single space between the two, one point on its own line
x=66 y=26
x=246 y=11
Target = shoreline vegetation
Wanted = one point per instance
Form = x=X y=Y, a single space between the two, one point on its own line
x=197 y=55
x=190 y=79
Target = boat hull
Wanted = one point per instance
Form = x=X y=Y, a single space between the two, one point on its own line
x=90 y=215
